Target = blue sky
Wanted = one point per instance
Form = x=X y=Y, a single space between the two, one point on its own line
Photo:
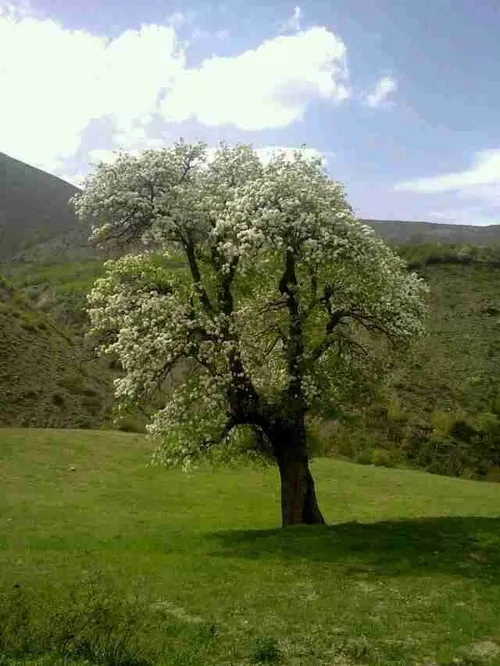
x=401 y=98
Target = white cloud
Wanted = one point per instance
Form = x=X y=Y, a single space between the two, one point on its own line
x=54 y=82
x=270 y=86
x=293 y=23
x=178 y=19
x=135 y=137
x=382 y=89
x=15 y=10
x=490 y=194
x=481 y=179
x=76 y=179
x=106 y=155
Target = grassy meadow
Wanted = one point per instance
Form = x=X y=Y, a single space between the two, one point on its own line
x=106 y=560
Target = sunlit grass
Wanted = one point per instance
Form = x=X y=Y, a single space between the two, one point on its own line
x=406 y=572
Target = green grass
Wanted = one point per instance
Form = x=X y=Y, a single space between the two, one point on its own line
x=59 y=289
x=407 y=572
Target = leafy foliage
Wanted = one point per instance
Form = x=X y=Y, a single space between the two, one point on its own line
x=90 y=623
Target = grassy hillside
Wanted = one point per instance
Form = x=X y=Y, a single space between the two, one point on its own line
x=399 y=232
x=440 y=411
x=45 y=379
x=58 y=289
x=440 y=408
x=36 y=218
x=406 y=573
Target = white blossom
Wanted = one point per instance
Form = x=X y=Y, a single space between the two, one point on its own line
x=236 y=221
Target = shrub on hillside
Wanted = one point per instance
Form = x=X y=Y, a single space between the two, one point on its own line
x=459 y=445
x=91 y=623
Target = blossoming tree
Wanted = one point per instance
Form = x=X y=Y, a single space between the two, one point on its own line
x=269 y=310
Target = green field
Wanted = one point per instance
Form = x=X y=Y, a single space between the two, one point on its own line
x=407 y=571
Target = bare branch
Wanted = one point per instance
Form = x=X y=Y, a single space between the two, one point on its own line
x=274 y=306
x=354 y=344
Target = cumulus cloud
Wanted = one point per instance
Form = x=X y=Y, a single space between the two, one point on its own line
x=267 y=87
x=178 y=19
x=490 y=194
x=381 y=91
x=483 y=177
x=55 y=82
x=14 y=9
x=293 y=23
x=76 y=179
x=479 y=183
x=106 y=155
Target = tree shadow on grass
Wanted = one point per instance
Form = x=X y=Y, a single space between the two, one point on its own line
x=461 y=546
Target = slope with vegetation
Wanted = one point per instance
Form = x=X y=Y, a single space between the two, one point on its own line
x=106 y=560
x=440 y=411
x=45 y=377
x=36 y=218
x=58 y=288
x=440 y=408
x=418 y=233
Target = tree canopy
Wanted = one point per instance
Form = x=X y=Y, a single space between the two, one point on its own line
x=258 y=282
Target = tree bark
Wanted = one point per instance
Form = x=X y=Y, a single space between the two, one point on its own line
x=299 y=505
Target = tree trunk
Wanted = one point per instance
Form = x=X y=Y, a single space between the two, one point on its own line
x=299 y=505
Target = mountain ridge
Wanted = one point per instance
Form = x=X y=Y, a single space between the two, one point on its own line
x=34 y=208
x=38 y=223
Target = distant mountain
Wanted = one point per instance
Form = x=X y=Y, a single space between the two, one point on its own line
x=38 y=224
x=400 y=232
x=36 y=218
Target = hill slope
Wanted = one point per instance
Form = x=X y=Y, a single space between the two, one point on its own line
x=36 y=218
x=37 y=223
x=440 y=408
x=44 y=379
x=401 y=232
x=452 y=381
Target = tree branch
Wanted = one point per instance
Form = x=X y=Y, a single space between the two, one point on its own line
x=196 y=275
x=295 y=343
x=314 y=293
x=210 y=442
